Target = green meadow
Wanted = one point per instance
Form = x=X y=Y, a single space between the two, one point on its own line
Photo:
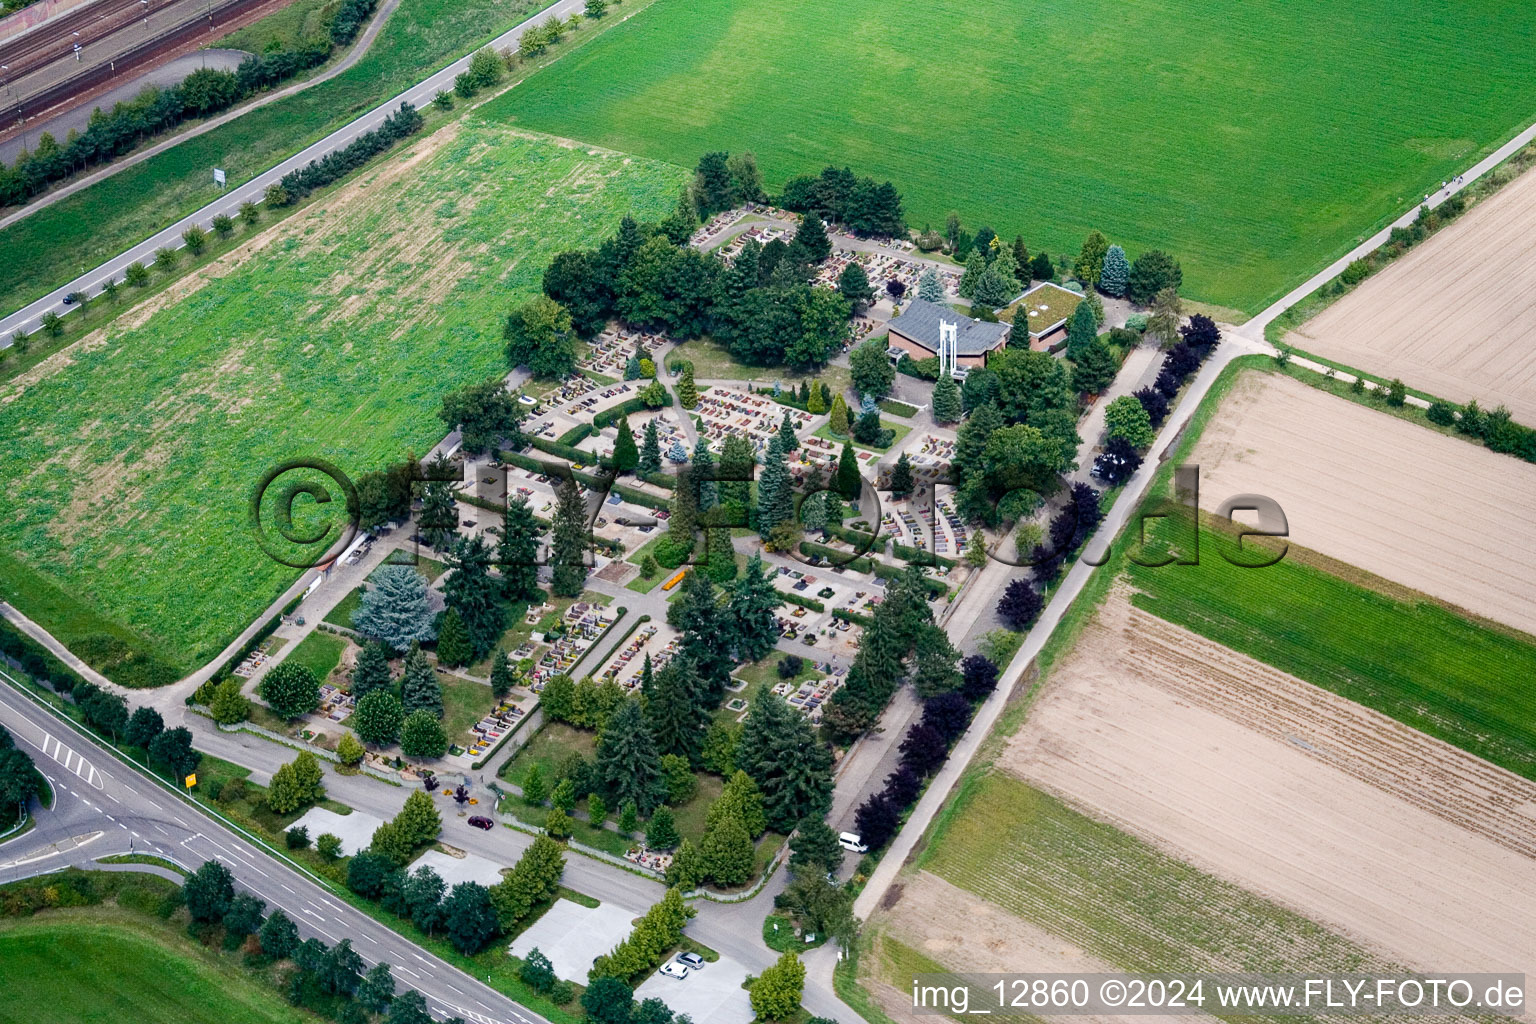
x=1255 y=141
x=131 y=458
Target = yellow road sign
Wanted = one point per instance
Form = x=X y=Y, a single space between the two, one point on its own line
x=191 y=781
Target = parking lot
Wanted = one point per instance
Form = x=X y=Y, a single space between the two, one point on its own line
x=713 y=995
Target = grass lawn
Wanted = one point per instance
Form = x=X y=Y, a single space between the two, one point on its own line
x=431 y=568
x=299 y=22
x=1427 y=667
x=640 y=584
x=712 y=361
x=320 y=651
x=211 y=392
x=1113 y=895
x=465 y=702
x=759 y=675
x=73 y=971
x=900 y=430
x=896 y=408
x=1238 y=137
x=341 y=615
x=549 y=746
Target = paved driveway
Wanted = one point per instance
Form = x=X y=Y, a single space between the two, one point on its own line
x=711 y=996
x=572 y=936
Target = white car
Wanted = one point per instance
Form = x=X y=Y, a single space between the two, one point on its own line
x=852 y=843
x=673 y=969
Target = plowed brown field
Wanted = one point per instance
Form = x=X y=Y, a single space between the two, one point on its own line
x=1456 y=316
x=1434 y=513
x=1412 y=847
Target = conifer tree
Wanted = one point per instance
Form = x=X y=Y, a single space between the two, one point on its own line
x=838 y=423
x=453 y=647
x=419 y=689
x=650 y=451
x=503 y=677
x=569 y=539
x=705 y=486
x=946 y=400
x=848 y=479
x=626 y=456
x=517 y=552
x=371 y=672
x=750 y=610
x=628 y=763
x=687 y=390
x=929 y=289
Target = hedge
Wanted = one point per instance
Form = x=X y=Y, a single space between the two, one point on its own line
x=860 y=563
x=804 y=602
x=920 y=556
x=853 y=617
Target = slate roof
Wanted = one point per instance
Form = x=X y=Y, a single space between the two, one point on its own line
x=920 y=322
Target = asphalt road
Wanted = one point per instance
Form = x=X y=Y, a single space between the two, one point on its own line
x=28 y=318
x=102 y=807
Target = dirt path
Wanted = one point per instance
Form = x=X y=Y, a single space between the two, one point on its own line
x=1434 y=513
x=1403 y=843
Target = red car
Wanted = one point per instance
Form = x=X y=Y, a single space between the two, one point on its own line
x=482 y=822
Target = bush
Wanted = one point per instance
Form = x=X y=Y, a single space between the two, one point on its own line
x=297 y=837
x=1442 y=413
x=1356 y=272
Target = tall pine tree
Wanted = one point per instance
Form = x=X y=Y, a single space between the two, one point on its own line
x=792 y=767
x=419 y=689
x=626 y=456
x=474 y=594
x=569 y=539
x=848 y=480
x=675 y=711
x=517 y=552
x=628 y=764
x=650 y=451
x=371 y=672
x=775 y=496
x=750 y=612
x=705 y=487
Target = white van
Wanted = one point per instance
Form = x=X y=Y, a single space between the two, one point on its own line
x=852 y=843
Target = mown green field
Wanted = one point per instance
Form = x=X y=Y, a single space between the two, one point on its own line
x=1427 y=667
x=1116 y=897
x=1255 y=141
x=71 y=972
x=96 y=223
x=129 y=470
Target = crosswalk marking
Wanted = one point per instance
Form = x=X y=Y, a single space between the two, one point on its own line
x=71 y=761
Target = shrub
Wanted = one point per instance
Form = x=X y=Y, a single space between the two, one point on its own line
x=1442 y=413
x=297 y=837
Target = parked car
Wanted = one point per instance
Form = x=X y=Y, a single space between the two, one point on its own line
x=673 y=969
x=852 y=843
x=692 y=961
x=479 y=821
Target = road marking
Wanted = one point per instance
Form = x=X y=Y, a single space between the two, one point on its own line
x=72 y=762
x=157 y=828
